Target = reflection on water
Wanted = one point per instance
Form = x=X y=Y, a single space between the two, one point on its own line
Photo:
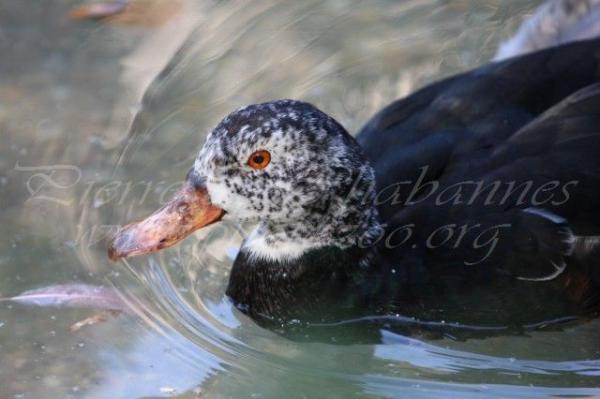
x=69 y=171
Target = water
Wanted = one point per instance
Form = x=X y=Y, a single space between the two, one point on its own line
x=70 y=171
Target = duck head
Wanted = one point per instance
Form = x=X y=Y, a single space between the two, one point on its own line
x=284 y=165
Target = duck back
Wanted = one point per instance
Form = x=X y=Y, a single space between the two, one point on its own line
x=507 y=155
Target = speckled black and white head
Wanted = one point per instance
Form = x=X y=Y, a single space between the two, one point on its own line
x=316 y=189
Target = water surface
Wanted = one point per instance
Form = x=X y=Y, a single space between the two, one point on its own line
x=72 y=167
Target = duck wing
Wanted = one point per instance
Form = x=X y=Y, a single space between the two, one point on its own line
x=452 y=126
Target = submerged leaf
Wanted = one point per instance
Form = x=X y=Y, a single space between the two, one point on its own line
x=95 y=319
x=145 y=13
x=72 y=295
x=98 y=10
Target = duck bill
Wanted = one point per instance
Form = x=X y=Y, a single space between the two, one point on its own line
x=189 y=210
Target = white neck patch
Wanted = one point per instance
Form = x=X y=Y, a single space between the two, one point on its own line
x=257 y=247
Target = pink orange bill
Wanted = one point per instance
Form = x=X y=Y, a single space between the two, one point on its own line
x=189 y=210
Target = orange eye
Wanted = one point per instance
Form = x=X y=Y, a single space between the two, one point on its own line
x=259 y=159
